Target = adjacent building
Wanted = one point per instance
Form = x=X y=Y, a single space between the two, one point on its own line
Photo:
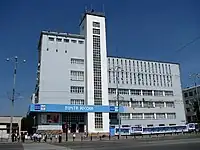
x=191 y=101
x=76 y=84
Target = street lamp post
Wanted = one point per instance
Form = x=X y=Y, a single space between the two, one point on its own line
x=15 y=61
x=116 y=70
x=196 y=76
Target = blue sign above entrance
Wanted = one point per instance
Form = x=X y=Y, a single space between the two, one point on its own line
x=73 y=108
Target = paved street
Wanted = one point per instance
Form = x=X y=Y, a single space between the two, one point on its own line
x=183 y=144
x=10 y=146
x=176 y=144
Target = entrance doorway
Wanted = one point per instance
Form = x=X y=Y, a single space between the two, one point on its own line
x=75 y=121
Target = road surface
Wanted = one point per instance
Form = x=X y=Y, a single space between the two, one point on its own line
x=177 y=144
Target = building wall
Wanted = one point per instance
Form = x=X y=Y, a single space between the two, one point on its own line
x=55 y=69
x=190 y=96
x=95 y=67
x=130 y=79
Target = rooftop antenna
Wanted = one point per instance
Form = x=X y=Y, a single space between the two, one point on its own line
x=85 y=8
x=92 y=10
x=103 y=9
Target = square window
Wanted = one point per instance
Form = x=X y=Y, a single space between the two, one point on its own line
x=73 y=41
x=51 y=39
x=58 y=39
x=66 y=40
x=80 y=42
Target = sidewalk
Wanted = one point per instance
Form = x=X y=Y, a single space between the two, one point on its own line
x=43 y=146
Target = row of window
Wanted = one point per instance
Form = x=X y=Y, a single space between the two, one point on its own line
x=140 y=79
x=143 y=104
x=149 y=116
x=77 y=89
x=77 y=61
x=97 y=66
x=190 y=93
x=58 y=39
x=140 y=92
x=77 y=101
x=140 y=66
x=77 y=75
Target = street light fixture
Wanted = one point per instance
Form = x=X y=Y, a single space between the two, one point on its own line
x=15 y=61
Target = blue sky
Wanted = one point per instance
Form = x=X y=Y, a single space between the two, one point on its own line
x=145 y=29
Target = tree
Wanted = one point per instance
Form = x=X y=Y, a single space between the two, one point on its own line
x=27 y=124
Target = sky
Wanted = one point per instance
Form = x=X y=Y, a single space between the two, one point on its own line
x=143 y=29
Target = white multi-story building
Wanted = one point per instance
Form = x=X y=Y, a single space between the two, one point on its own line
x=76 y=84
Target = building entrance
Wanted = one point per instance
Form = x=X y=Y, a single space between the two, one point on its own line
x=75 y=121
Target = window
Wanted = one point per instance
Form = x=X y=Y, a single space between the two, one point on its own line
x=77 y=75
x=136 y=104
x=158 y=93
x=77 y=61
x=150 y=125
x=160 y=115
x=56 y=50
x=112 y=102
x=171 y=115
x=77 y=89
x=159 y=104
x=58 y=39
x=125 y=116
x=123 y=91
x=51 y=39
x=65 y=51
x=96 y=31
x=190 y=93
x=135 y=92
x=77 y=101
x=66 y=40
x=147 y=92
x=80 y=42
x=161 y=125
x=73 y=41
x=109 y=77
x=111 y=91
x=98 y=120
x=148 y=104
x=137 y=116
x=188 y=109
x=172 y=124
x=169 y=93
x=149 y=116
x=186 y=102
x=96 y=24
x=124 y=103
x=170 y=104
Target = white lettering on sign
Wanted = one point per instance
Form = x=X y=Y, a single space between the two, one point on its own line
x=86 y=108
x=79 y=108
x=71 y=108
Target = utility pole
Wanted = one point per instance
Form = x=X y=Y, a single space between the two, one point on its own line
x=116 y=71
x=15 y=61
x=196 y=76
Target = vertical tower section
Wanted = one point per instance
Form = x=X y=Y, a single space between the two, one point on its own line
x=92 y=26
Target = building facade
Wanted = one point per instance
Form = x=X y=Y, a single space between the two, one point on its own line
x=191 y=102
x=76 y=84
